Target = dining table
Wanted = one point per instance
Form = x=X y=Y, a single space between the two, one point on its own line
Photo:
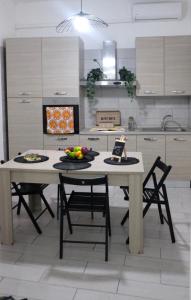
x=45 y=172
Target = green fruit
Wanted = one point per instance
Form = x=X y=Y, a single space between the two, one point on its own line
x=72 y=155
x=77 y=148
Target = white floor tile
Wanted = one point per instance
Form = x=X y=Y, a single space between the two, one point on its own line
x=179 y=278
x=9 y=257
x=152 y=290
x=87 y=295
x=22 y=272
x=124 y=272
x=85 y=281
x=60 y=264
x=36 y=290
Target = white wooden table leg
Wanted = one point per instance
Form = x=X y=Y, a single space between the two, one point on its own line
x=6 y=219
x=135 y=214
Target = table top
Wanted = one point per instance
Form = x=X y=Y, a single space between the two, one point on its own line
x=97 y=166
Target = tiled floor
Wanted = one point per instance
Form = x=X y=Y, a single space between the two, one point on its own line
x=31 y=268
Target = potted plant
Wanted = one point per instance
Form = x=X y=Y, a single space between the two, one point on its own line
x=129 y=78
x=93 y=76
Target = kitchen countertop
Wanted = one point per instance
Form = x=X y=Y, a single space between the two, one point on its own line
x=139 y=131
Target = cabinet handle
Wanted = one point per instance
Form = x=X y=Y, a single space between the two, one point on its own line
x=149 y=92
x=150 y=139
x=178 y=92
x=60 y=93
x=24 y=101
x=93 y=139
x=62 y=139
x=179 y=140
x=24 y=93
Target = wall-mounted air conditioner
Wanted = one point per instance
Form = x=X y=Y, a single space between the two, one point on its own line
x=157 y=11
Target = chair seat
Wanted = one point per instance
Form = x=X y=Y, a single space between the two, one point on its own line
x=147 y=194
x=30 y=188
x=83 y=201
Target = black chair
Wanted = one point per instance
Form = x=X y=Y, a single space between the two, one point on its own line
x=157 y=194
x=25 y=189
x=84 y=202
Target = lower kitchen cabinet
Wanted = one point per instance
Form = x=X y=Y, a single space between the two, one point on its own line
x=178 y=155
x=151 y=146
x=131 y=143
x=60 y=142
x=96 y=142
x=25 y=125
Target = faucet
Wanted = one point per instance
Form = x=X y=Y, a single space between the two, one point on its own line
x=164 y=120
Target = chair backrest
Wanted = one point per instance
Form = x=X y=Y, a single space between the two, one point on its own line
x=80 y=182
x=158 y=181
x=85 y=182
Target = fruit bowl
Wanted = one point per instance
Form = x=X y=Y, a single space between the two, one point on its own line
x=77 y=152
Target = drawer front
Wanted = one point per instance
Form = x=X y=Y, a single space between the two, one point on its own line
x=151 y=146
x=131 y=143
x=60 y=140
x=96 y=142
x=178 y=155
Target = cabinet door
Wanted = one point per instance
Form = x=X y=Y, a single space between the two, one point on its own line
x=178 y=155
x=60 y=63
x=150 y=66
x=178 y=65
x=24 y=124
x=151 y=146
x=24 y=67
x=96 y=142
x=130 y=143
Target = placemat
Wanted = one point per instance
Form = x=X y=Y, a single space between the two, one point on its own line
x=123 y=162
x=93 y=153
x=86 y=158
x=71 y=166
x=21 y=159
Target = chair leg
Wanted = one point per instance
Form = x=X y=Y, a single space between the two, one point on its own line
x=106 y=236
x=107 y=214
x=30 y=215
x=145 y=210
x=58 y=202
x=170 y=222
x=69 y=220
x=109 y=223
x=47 y=204
x=125 y=218
x=160 y=213
x=92 y=215
x=61 y=232
x=19 y=207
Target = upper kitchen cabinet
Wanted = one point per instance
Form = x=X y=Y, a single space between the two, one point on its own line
x=24 y=67
x=61 y=64
x=178 y=65
x=150 y=66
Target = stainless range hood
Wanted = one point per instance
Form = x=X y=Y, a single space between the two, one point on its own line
x=109 y=66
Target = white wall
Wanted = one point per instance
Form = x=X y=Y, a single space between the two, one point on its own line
x=39 y=18
x=7 y=24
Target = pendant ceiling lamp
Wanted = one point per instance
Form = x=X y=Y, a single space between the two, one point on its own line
x=81 y=22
